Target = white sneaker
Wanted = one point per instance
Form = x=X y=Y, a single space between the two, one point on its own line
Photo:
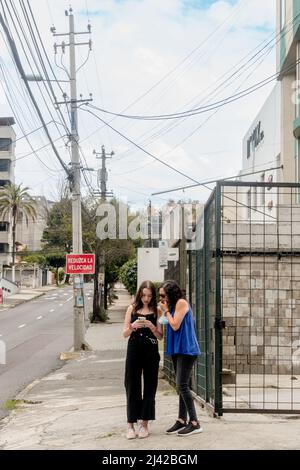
x=130 y=434
x=143 y=432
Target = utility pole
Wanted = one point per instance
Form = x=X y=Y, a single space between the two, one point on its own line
x=149 y=223
x=102 y=173
x=102 y=184
x=79 y=323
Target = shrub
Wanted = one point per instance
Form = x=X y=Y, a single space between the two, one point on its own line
x=128 y=275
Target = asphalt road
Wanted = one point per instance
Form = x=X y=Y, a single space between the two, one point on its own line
x=34 y=334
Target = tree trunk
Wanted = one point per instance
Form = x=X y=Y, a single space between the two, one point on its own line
x=13 y=277
x=105 y=294
x=99 y=314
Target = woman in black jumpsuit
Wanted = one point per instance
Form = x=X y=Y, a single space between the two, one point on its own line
x=142 y=359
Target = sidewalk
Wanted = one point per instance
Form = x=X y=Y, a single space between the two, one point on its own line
x=83 y=406
x=24 y=296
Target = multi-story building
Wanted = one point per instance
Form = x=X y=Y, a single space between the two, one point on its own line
x=288 y=67
x=7 y=175
x=29 y=233
x=261 y=162
x=273 y=139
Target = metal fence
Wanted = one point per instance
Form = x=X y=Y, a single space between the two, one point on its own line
x=244 y=285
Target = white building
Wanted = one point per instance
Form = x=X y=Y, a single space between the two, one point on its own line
x=261 y=162
x=262 y=142
x=29 y=234
x=7 y=175
x=288 y=67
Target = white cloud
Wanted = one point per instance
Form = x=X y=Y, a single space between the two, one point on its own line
x=136 y=43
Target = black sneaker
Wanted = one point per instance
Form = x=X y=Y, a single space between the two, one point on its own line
x=190 y=429
x=176 y=427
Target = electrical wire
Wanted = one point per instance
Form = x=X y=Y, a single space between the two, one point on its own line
x=21 y=71
x=203 y=109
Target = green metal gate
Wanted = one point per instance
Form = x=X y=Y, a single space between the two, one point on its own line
x=248 y=312
x=244 y=285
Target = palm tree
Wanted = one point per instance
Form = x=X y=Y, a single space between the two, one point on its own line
x=15 y=202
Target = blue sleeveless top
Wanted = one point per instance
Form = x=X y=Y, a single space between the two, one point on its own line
x=184 y=340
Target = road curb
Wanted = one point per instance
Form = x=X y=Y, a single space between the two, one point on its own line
x=9 y=306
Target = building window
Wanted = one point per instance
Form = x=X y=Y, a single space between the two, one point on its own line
x=4 y=164
x=4 y=226
x=5 y=144
x=249 y=203
x=4 y=182
x=282 y=14
x=262 y=194
x=3 y=247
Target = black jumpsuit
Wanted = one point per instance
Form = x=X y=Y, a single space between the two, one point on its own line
x=142 y=359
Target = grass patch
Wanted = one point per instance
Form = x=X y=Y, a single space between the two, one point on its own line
x=12 y=404
x=107 y=434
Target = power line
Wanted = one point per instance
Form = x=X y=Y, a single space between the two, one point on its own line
x=16 y=15
x=138 y=146
x=166 y=164
x=169 y=128
x=22 y=73
x=37 y=150
x=203 y=109
x=216 y=180
x=9 y=99
x=49 y=63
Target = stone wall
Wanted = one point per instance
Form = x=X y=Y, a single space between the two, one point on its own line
x=261 y=307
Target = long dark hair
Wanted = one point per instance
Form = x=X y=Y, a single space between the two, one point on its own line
x=173 y=292
x=138 y=298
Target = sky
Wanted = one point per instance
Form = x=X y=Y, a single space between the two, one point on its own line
x=149 y=57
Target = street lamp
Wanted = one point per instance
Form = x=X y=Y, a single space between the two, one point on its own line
x=39 y=78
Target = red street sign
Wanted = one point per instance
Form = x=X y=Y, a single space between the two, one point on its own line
x=80 y=264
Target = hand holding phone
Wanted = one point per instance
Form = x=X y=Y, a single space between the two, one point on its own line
x=140 y=322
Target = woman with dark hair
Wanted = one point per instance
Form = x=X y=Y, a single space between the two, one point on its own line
x=183 y=347
x=142 y=358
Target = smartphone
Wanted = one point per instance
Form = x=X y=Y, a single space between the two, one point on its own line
x=141 y=319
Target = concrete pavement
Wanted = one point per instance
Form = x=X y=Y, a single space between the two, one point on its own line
x=25 y=295
x=83 y=406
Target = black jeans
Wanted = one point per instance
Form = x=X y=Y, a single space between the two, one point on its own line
x=183 y=366
x=142 y=360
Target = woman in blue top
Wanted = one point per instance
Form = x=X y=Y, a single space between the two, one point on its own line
x=183 y=347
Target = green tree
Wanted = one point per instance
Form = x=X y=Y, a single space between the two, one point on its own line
x=57 y=236
x=56 y=261
x=128 y=275
x=16 y=202
x=39 y=259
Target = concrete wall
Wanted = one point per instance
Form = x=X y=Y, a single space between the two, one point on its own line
x=148 y=265
x=29 y=276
